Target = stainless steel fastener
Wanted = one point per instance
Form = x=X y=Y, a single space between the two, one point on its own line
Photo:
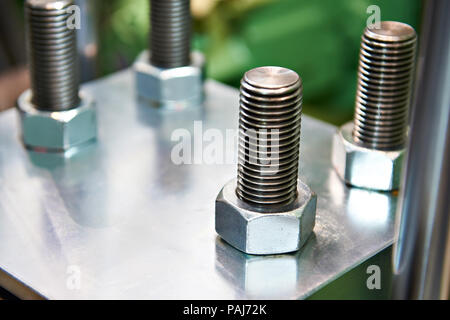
x=170 y=75
x=368 y=153
x=54 y=116
x=267 y=210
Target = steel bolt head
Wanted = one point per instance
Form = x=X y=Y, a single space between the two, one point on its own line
x=261 y=233
x=363 y=167
x=56 y=131
x=173 y=88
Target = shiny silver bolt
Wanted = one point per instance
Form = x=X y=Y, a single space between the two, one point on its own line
x=368 y=152
x=269 y=136
x=170 y=75
x=386 y=69
x=170 y=33
x=267 y=210
x=54 y=115
x=52 y=55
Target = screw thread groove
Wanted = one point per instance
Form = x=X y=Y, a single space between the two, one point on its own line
x=170 y=34
x=269 y=136
x=386 y=66
x=52 y=55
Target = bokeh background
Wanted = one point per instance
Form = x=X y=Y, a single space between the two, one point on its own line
x=318 y=39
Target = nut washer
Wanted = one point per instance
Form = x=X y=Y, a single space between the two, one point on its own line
x=254 y=232
x=173 y=88
x=363 y=167
x=56 y=131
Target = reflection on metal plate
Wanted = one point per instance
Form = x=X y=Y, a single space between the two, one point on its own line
x=120 y=220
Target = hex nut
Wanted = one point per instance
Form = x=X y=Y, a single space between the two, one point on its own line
x=173 y=88
x=56 y=131
x=254 y=232
x=363 y=167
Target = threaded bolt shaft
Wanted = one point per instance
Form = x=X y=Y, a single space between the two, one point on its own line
x=52 y=55
x=386 y=67
x=269 y=136
x=170 y=34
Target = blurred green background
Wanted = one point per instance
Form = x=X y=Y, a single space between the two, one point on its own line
x=318 y=39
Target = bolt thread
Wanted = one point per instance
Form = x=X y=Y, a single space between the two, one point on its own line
x=386 y=66
x=269 y=136
x=170 y=34
x=52 y=55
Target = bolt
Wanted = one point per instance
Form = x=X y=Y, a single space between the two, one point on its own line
x=170 y=75
x=269 y=136
x=54 y=115
x=368 y=153
x=52 y=55
x=170 y=33
x=267 y=210
x=386 y=68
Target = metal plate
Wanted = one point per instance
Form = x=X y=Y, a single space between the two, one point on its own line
x=120 y=220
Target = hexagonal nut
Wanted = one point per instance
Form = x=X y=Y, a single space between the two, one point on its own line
x=173 y=88
x=252 y=231
x=56 y=131
x=363 y=167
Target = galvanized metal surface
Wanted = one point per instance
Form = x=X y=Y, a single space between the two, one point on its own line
x=121 y=220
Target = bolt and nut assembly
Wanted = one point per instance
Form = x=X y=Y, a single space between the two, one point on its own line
x=368 y=153
x=54 y=116
x=170 y=75
x=266 y=209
